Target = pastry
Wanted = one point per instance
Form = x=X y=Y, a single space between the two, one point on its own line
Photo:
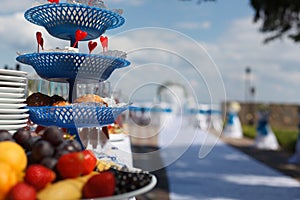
x=61 y=103
x=39 y=99
x=56 y=98
x=90 y=98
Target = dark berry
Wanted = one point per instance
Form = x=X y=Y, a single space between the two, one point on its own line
x=53 y=135
x=5 y=136
x=22 y=137
x=75 y=144
x=129 y=181
x=69 y=146
x=30 y=159
x=49 y=162
x=34 y=140
x=42 y=149
x=59 y=153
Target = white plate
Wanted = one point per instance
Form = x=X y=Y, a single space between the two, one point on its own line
x=128 y=195
x=13 y=72
x=9 y=106
x=11 y=89
x=116 y=137
x=9 y=116
x=13 y=111
x=16 y=84
x=11 y=95
x=12 y=127
x=12 y=78
x=11 y=101
x=8 y=122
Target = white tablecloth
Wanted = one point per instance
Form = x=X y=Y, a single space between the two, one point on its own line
x=200 y=166
x=122 y=150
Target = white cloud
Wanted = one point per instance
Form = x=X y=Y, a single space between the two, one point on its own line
x=10 y=6
x=178 y=57
x=242 y=46
x=19 y=34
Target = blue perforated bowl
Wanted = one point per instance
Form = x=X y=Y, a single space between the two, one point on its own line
x=59 y=66
x=62 y=20
x=74 y=116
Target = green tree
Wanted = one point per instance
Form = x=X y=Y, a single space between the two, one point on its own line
x=280 y=18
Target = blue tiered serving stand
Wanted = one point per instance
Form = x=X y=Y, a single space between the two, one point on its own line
x=72 y=67
x=62 y=21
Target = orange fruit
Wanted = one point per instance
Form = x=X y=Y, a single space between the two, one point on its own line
x=8 y=178
x=14 y=155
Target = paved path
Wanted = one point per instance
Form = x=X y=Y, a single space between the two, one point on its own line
x=199 y=166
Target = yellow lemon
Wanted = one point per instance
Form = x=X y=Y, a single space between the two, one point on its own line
x=8 y=178
x=14 y=155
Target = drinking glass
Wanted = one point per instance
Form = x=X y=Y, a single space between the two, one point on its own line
x=35 y=85
x=93 y=137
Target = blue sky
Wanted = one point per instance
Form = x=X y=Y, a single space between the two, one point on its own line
x=177 y=14
x=213 y=43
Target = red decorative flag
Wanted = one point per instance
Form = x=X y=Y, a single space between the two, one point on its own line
x=54 y=1
x=39 y=40
x=42 y=43
x=104 y=42
x=92 y=46
x=79 y=35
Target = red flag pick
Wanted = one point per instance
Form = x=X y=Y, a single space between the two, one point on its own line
x=104 y=42
x=79 y=35
x=40 y=41
x=54 y=1
x=92 y=46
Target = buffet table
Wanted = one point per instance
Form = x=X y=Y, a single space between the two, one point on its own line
x=121 y=148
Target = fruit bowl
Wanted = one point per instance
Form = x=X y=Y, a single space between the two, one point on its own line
x=63 y=19
x=75 y=116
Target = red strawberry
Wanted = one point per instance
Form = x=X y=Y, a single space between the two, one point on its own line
x=21 y=191
x=100 y=185
x=39 y=176
x=70 y=165
x=89 y=163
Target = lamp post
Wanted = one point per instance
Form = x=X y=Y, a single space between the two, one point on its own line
x=247 y=95
x=252 y=110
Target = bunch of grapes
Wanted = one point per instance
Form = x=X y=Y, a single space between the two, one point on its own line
x=45 y=148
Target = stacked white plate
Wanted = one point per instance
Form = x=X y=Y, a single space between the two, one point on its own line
x=13 y=115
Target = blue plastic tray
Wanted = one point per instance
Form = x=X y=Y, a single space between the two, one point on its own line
x=59 y=66
x=75 y=116
x=63 y=19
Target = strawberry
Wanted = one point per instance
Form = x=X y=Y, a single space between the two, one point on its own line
x=39 y=176
x=70 y=165
x=89 y=163
x=21 y=191
x=100 y=185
